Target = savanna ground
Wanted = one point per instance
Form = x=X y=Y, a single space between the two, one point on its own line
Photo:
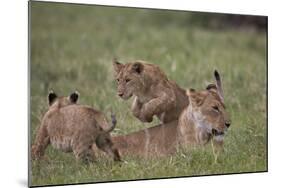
x=72 y=48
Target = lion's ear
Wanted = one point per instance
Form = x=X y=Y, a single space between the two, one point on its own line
x=117 y=66
x=137 y=67
x=51 y=97
x=195 y=98
x=74 y=97
x=219 y=85
x=212 y=87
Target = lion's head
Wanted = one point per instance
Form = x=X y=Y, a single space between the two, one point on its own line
x=129 y=78
x=55 y=101
x=207 y=109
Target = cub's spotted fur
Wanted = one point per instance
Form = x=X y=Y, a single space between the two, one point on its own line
x=68 y=127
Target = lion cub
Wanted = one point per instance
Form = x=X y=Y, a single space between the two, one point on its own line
x=154 y=93
x=68 y=127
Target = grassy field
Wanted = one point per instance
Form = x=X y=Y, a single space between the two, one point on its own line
x=72 y=48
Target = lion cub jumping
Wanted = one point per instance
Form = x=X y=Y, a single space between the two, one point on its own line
x=154 y=93
x=204 y=120
x=72 y=127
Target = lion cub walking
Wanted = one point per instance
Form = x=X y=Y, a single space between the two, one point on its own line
x=68 y=127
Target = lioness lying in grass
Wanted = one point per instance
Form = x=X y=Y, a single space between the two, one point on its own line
x=203 y=120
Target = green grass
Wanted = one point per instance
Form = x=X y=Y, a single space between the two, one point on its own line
x=72 y=47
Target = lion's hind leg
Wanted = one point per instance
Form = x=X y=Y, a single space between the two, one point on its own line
x=82 y=149
x=105 y=144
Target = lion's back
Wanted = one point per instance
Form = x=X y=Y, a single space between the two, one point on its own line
x=71 y=123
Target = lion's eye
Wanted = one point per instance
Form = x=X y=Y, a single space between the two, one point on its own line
x=127 y=80
x=215 y=108
x=117 y=80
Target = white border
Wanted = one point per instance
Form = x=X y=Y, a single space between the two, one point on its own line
x=14 y=92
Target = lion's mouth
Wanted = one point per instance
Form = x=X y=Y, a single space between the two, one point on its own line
x=216 y=132
x=125 y=97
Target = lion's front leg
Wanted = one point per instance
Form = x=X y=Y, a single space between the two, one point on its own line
x=41 y=142
x=154 y=107
x=136 y=107
x=146 y=115
x=139 y=111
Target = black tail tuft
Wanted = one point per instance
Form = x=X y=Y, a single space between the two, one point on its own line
x=217 y=75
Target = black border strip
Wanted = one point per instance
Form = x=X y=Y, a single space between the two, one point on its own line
x=267 y=94
x=29 y=93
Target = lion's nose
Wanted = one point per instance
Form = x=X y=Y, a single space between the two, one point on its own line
x=120 y=94
x=227 y=124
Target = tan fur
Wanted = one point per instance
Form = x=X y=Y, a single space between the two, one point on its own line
x=154 y=93
x=71 y=127
x=203 y=120
x=160 y=140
